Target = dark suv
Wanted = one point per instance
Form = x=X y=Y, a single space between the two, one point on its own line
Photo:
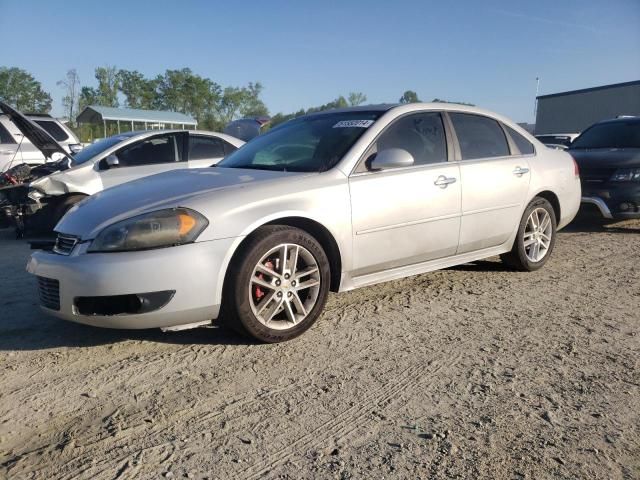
x=608 y=155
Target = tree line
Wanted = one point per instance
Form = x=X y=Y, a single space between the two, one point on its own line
x=211 y=104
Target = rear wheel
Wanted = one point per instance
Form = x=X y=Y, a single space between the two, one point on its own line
x=277 y=286
x=535 y=239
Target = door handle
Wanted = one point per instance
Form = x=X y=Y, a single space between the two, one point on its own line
x=7 y=152
x=519 y=171
x=443 y=181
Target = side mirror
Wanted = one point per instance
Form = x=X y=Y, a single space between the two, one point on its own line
x=391 y=158
x=75 y=147
x=112 y=160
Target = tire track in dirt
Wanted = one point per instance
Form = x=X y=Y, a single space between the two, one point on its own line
x=352 y=418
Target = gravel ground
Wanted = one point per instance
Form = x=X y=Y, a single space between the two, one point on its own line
x=471 y=372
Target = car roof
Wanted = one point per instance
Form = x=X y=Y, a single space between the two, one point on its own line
x=621 y=119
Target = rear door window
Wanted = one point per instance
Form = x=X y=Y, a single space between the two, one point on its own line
x=479 y=136
x=202 y=147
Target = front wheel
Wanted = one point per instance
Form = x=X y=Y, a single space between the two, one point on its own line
x=277 y=286
x=535 y=239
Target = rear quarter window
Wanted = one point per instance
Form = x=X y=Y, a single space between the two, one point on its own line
x=5 y=136
x=524 y=145
x=53 y=129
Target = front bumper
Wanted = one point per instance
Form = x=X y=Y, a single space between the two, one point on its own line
x=620 y=201
x=193 y=272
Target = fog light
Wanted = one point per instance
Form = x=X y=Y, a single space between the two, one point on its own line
x=130 y=304
x=625 y=206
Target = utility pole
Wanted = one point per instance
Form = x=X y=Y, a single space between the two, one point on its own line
x=535 y=103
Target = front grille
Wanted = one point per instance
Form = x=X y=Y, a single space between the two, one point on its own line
x=64 y=244
x=596 y=175
x=49 y=290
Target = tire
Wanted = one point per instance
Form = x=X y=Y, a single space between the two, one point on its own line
x=62 y=207
x=522 y=257
x=45 y=220
x=288 y=310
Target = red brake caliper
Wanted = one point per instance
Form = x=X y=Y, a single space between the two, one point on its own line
x=258 y=292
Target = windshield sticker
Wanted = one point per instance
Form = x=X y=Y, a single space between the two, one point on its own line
x=353 y=123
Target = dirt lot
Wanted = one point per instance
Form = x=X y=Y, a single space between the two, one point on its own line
x=472 y=372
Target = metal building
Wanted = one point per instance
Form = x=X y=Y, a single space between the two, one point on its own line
x=150 y=119
x=572 y=112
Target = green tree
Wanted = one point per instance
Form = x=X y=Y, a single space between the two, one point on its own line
x=19 y=89
x=356 y=98
x=71 y=85
x=183 y=91
x=139 y=92
x=409 y=96
x=252 y=105
x=108 y=84
x=88 y=96
x=438 y=100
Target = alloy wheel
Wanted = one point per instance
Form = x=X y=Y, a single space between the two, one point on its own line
x=537 y=235
x=284 y=286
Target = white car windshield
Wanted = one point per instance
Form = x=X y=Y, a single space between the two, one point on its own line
x=309 y=144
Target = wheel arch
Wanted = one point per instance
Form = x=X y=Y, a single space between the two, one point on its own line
x=313 y=228
x=553 y=199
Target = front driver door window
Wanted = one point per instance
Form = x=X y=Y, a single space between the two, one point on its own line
x=402 y=216
x=146 y=157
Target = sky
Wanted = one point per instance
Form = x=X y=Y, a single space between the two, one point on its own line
x=306 y=53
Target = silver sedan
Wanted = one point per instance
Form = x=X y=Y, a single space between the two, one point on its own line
x=327 y=202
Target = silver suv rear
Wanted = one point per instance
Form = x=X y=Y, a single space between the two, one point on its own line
x=16 y=149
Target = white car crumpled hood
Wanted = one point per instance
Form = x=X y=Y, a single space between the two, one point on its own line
x=165 y=190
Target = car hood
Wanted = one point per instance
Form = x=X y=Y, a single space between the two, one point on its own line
x=606 y=157
x=37 y=135
x=165 y=190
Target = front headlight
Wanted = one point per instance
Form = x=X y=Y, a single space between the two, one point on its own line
x=626 y=175
x=164 y=228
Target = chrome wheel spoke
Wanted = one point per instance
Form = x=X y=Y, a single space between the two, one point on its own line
x=262 y=283
x=298 y=304
x=546 y=221
x=306 y=272
x=293 y=261
x=266 y=301
x=307 y=284
x=272 y=310
x=264 y=269
x=283 y=259
x=529 y=242
x=291 y=316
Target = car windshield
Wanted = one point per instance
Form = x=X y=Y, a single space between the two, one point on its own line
x=88 y=152
x=309 y=144
x=610 y=135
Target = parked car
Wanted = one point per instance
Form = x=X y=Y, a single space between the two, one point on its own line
x=608 y=154
x=247 y=128
x=16 y=149
x=53 y=188
x=558 y=140
x=329 y=201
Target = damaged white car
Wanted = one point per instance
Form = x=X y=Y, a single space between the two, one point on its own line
x=48 y=191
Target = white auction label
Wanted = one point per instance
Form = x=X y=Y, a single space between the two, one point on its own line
x=353 y=123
